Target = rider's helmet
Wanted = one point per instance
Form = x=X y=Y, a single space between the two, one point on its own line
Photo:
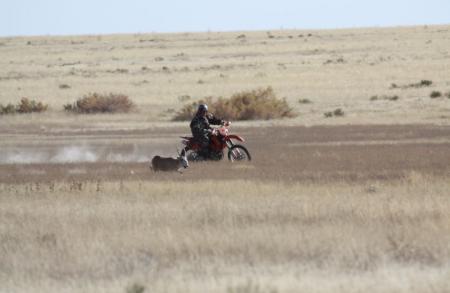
x=202 y=108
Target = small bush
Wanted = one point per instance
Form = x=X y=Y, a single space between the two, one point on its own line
x=247 y=105
x=447 y=95
x=435 y=94
x=64 y=86
x=136 y=288
x=304 y=101
x=388 y=98
x=29 y=106
x=425 y=82
x=422 y=83
x=25 y=106
x=8 y=109
x=336 y=113
x=101 y=103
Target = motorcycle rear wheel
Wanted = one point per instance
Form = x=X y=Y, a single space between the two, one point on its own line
x=239 y=153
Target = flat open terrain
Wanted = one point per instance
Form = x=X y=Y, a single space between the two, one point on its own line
x=358 y=203
x=331 y=68
x=349 y=153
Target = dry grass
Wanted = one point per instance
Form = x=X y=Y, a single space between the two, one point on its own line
x=220 y=235
x=156 y=69
x=320 y=209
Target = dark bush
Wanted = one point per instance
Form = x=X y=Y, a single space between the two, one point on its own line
x=336 y=113
x=101 y=103
x=422 y=83
x=389 y=98
x=435 y=94
x=247 y=105
x=304 y=101
x=425 y=82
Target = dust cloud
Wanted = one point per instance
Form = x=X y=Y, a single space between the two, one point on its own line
x=76 y=154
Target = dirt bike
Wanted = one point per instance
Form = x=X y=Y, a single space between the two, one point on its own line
x=220 y=140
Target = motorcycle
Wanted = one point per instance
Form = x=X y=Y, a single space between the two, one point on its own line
x=220 y=140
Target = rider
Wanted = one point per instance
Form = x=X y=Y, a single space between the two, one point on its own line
x=200 y=127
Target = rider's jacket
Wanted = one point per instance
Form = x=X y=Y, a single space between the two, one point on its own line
x=200 y=125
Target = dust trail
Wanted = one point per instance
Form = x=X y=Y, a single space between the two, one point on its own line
x=74 y=154
x=77 y=154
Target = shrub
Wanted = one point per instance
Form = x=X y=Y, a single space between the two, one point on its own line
x=247 y=105
x=389 y=98
x=64 y=86
x=25 y=106
x=29 y=106
x=101 y=103
x=447 y=95
x=422 y=83
x=8 y=109
x=425 y=82
x=136 y=288
x=304 y=101
x=435 y=94
x=336 y=113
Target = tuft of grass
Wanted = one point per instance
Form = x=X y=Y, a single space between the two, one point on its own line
x=101 y=103
x=24 y=106
x=259 y=104
x=64 y=86
x=435 y=94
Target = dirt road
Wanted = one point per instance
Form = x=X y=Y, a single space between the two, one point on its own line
x=279 y=153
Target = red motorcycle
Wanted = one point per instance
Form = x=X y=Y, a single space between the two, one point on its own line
x=220 y=139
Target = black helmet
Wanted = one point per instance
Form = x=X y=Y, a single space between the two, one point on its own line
x=202 y=108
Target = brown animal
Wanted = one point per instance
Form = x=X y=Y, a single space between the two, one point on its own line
x=170 y=164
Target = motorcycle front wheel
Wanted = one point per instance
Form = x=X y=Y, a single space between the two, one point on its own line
x=239 y=153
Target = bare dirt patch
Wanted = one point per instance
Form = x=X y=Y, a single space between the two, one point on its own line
x=280 y=153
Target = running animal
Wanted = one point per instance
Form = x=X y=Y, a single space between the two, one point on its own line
x=170 y=164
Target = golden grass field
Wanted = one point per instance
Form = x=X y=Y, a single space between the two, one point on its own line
x=227 y=236
x=359 y=203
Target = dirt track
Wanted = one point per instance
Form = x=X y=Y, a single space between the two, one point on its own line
x=280 y=153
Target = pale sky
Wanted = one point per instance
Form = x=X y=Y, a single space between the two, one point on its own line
x=63 y=17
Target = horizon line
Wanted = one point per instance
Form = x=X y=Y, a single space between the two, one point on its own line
x=227 y=31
